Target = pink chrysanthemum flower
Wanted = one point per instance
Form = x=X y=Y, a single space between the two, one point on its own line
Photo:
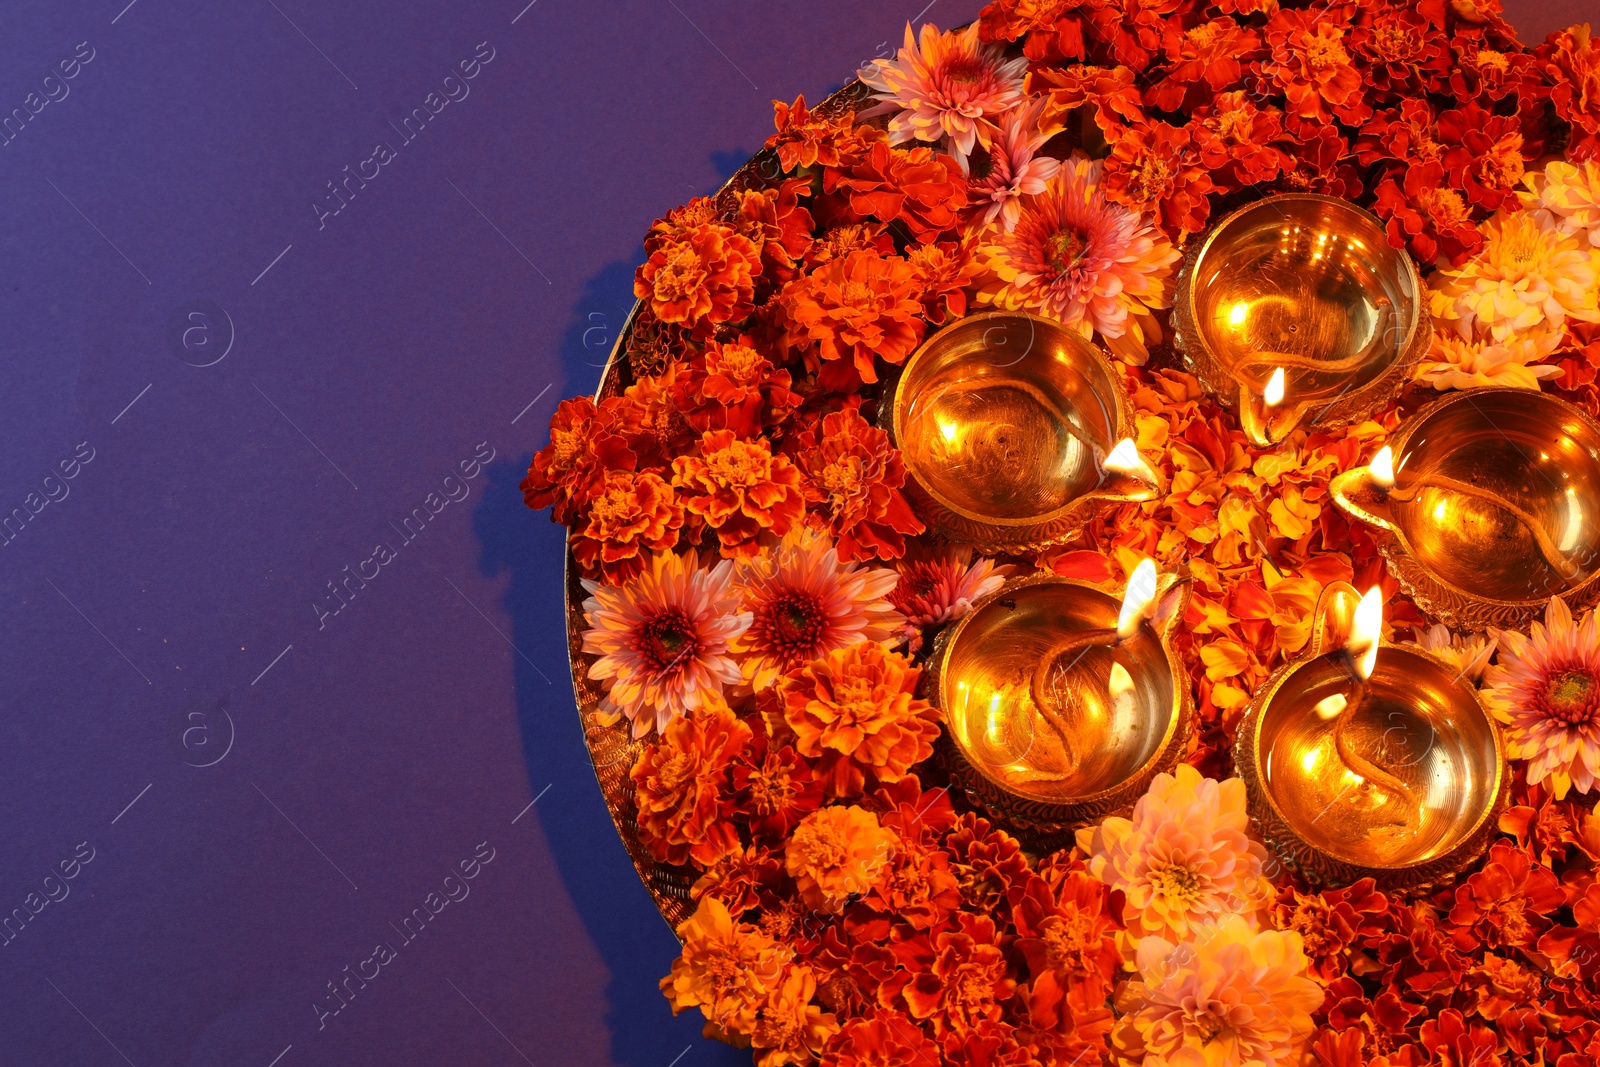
x=1546 y=688
x=663 y=639
x=804 y=603
x=1234 y=997
x=941 y=585
x=1014 y=169
x=1084 y=261
x=948 y=88
x=1184 y=860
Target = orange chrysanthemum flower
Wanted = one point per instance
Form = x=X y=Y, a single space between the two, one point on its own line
x=701 y=278
x=805 y=139
x=836 y=853
x=855 y=475
x=726 y=969
x=850 y=311
x=633 y=514
x=924 y=191
x=854 y=711
x=681 y=786
x=585 y=443
x=740 y=489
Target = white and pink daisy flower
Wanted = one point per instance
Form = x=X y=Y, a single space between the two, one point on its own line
x=948 y=88
x=663 y=639
x=1014 y=168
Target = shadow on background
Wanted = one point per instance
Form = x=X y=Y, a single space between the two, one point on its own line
x=621 y=920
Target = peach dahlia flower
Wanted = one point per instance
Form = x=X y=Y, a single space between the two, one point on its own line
x=1529 y=279
x=1546 y=688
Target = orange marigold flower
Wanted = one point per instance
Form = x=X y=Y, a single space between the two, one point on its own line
x=1449 y=1039
x=1508 y=902
x=836 y=853
x=681 y=786
x=840 y=241
x=1489 y=162
x=957 y=977
x=1571 y=63
x=585 y=443
x=923 y=190
x=1113 y=92
x=1133 y=31
x=774 y=787
x=856 y=475
x=854 y=710
x=776 y=223
x=850 y=311
x=734 y=386
x=743 y=880
x=1237 y=140
x=700 y=278
x=1484 y=68
x=918 y=890
x=789 y=1027
x=1211 y=52
x=883 y=1039
x=1051 y=30
x=740 y=489
x=1404 y=52
x=1069 y=941
x=943 y=273
x=1427 y=216
x=1155 y=168
x=806 y=139
x=633 y=513
x=1320 y=165
x=1331 y=922
x=1312 y=64
x=986 y=860
x=676 y=224
x=726 y=969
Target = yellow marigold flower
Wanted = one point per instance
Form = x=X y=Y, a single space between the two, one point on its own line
x=726 y=969
x=836 y=853
x=791 y=1028
x=1530 y=278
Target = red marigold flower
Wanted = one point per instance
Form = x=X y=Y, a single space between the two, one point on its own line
x=1211 y=52
x=1051 y=30
x=681 y=786
x=632 y=514
x=732 y=386
x=743 y=880
x=776 y=223
x=1490 y=154
x=1403 y=51
x=704 y=277
x=923 y=190
x=774 y=787
x=1330 y=923
x=1155 y=168
x=841 y=240
x=943 y=273
x=1487 y=66
x=1572 y=65
x=1132 y=31
x=1450 y=1040
x=1322 y=165
x=915 y=814
x=856 y=475
x=1508 y=902
x=647 y=414
x=986 y=860
x=1111 y=91
x=1069 y=942
x=883 y=1039
x=740 y=489
x=991 y=1043
x=1406 y=135
x=1312 y=64
x=958 y=977
x=805 y=139
x=919 y=890
x=850 y=311
x=1427 y=216
x=568 y=472
x=1236 y=140
x=676 y=224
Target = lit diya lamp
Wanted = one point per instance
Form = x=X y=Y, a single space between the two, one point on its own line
x=1485 y=504
x=1015 y=432
x=1363 y=758
x=1061 y=699
x=1297 y=309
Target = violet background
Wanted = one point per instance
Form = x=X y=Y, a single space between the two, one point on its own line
x=470 y=286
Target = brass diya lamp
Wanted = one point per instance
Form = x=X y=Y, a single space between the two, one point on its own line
x=1014 y=431
x=1061 y=699
x=1363 y=758
x=1485 y=505
x=1297 y=309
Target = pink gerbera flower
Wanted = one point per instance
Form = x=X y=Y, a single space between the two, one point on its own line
x=663 y=639
x=1091 y=264
x=1546 y=688
x=949 y=89
x=940 y=586
x=1014 y=169
x=804 y=603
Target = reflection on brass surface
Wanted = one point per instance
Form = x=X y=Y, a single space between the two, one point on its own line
x=1307 y=285
x=1005 y=421
x=1495 y=506
x=1050 y=721
x=1425 y=818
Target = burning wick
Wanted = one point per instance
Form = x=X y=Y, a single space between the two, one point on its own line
x=1138 y=602
x=1125 y=459
x=1381 y=472
x=1361 y=652
x=1272 y=395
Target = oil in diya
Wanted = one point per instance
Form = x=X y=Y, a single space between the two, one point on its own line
x=1363 y=758
x=1061 y=700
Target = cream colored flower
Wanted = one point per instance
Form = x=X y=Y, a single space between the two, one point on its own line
x=1468 y=654
x=1184 y=859
x=1529 y=279
x=1458 y=364
x=1232 y=997
x=1568 y=194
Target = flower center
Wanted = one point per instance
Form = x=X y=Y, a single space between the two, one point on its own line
x=677 y=770
x=1394 y=43
x=1063 y=248
x=615 y=507
x=1495 y=61
x=824 y=847
x=1444 y=207
x=1149 y=177
x=843 y=478
x=568 y=443
x=679 y=275
x=1175 y=883
x=792 y=624
x=1064 y=943
x=1325 y=52
x=736 y=362
x=1569 y=697
x=771 y=789
x=666 y=641
x=1502 y=167
x=1204 y=35
x=739 y=466
x=1209 y=1026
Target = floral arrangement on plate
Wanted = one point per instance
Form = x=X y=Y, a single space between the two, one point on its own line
x=759 y=596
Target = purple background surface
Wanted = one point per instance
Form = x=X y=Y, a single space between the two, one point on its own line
x=269 y=786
